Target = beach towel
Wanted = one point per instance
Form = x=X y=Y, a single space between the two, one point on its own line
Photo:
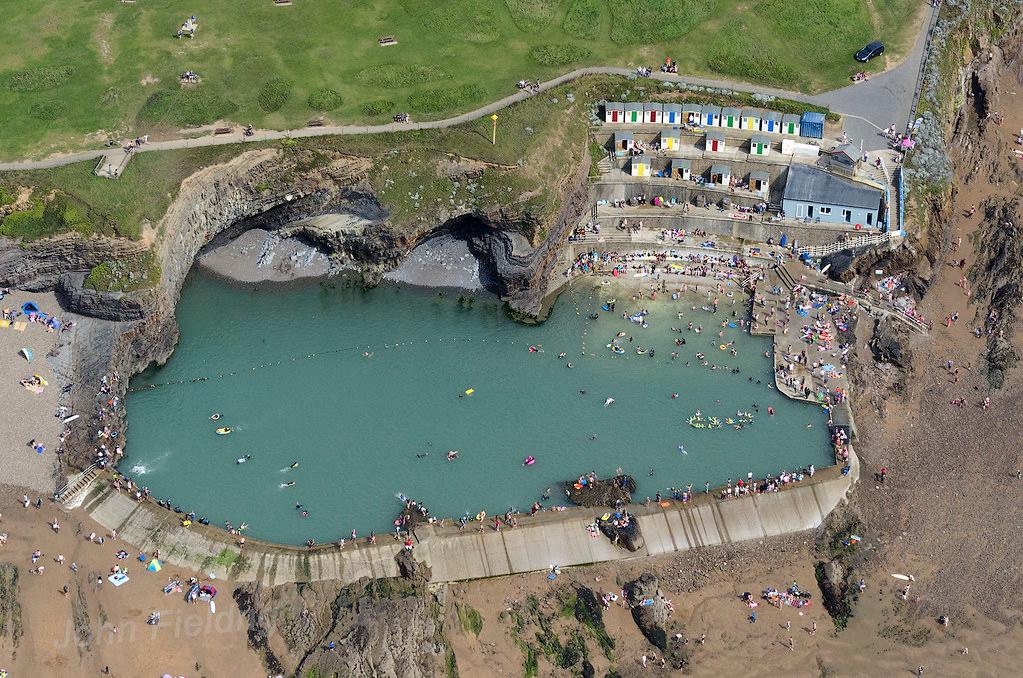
x=20 y=325
x=118 y=579
x=5 y=323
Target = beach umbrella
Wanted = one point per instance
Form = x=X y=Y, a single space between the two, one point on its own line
x=154 y=565
x=29 y=307
x=27 y=352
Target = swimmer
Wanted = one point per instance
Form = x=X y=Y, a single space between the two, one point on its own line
x=215 y=416
x=452 y=454
x=242 y=460
x=420 y=455
x=674 y=396
x=593 y=436
x=582 y=391
x=568 y=365
x=294 y=464
x=650 y=472
x=288 y=484
x=561 y=356
x=809 y=426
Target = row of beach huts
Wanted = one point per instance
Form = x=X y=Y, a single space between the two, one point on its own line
x=810 y=124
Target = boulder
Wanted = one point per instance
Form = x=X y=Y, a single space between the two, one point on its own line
x=652 y=615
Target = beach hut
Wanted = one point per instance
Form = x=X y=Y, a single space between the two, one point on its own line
x=640 y=166
x=714 y=142
x=710 y=116
x=671 y=140
x=759 y=182
x=720 y=175
x=730 y=118
x=751 y=119
x=790 y=124
x=672 y=114
x=692 y=114
x=811 y=125
x=614 y=112
x=653 y=113
x=624 y=141
x=634 y=113
x=759 y=145
x=770 y=121
x=680 y=168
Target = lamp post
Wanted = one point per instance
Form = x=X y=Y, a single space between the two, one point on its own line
x=493 y=138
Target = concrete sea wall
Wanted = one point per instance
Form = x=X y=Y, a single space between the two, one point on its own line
x=550 y=538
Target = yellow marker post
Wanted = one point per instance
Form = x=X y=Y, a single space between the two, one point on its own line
x=494 y=138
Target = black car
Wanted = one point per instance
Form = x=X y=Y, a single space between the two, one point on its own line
x=872 y=50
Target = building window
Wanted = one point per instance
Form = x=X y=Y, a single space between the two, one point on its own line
x=847 y=215
x=870 y=218
x=825 y=210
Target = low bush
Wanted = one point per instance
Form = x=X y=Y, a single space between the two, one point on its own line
x=532 y=16
x=640 y=23
x=395 y=76
x=378 y=107
x=583 y=19
x=185 y=107
x=51 y=109
x=324 y=99
x=126 y=276
x=36 y=79
x=274 y=94
x=558 y=55
x=445 y=98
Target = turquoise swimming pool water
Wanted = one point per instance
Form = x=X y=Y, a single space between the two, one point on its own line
x=365 y=389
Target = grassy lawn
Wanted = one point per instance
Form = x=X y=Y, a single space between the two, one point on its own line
x=74 y=73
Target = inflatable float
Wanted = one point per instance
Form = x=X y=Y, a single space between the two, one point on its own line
x=224 y=430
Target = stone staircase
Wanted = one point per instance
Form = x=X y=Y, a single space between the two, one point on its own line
x=73 y=493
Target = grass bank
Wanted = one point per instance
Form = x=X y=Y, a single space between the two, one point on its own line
x=79 y=72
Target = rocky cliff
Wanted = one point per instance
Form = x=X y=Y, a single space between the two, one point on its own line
x=269 y=189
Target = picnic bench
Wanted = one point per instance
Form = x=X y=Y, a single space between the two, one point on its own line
x=223 y=130
x=387 y=41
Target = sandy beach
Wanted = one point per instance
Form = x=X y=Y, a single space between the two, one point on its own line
x=27 y=415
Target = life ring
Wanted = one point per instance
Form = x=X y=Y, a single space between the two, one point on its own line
x=858 y=227
x=722 y=347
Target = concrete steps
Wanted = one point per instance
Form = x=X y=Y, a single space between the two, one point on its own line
x=72 y=494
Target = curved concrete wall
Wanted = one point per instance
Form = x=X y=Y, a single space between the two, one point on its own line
x=547 y=539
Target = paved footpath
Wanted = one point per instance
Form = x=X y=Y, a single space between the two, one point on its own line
x=868 y=107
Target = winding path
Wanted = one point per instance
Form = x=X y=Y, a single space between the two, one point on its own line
x=868 y=107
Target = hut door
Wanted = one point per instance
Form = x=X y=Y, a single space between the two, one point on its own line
x=714 y=144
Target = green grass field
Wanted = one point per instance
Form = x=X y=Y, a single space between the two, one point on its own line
x=73 y=73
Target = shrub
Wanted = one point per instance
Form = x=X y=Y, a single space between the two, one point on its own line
x=532 y=16
x=583 y=19
x=445 y=98
x=274 y=94
x=44 y=77
x=558 y=55
x=324 y=99
x=185 y=107
x=655 y=20
x=378 y=107
x=400 y=75
x=60 y=215
x=127 y=275
x=472 y=21
x=51 y=109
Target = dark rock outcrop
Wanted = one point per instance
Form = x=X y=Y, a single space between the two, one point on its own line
x=38 y=264
x=120 y=306
x=605 y=492
x=411 y=569
x=890 y=343
x=622 y=529
x=380 y=628
x=651 y=612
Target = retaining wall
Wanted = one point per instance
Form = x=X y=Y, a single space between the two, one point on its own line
x=550 y=538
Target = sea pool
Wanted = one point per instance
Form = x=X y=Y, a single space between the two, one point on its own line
x=366 y=390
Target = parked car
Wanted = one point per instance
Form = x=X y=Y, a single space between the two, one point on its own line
x=874 y=49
